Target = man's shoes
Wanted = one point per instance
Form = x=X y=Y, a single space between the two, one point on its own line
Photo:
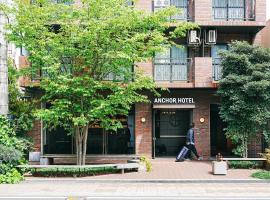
x=187 y=159
x=200 y=158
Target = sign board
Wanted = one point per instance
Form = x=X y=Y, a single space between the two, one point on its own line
x=174 y=101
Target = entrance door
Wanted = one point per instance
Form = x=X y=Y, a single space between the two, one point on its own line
x=219 y=142
x=170 y=131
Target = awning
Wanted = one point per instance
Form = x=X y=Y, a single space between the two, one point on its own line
x=169 y=106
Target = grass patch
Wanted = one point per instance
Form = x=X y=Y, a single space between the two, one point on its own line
x=261 y=175
x=72 y=172
x=235 y=164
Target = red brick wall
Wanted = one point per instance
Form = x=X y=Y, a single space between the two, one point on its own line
x=143 y=130
x=266 y=35
x=203 y=11
x=35 y=134
x=203 y=72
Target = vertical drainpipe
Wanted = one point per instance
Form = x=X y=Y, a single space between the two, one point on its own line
x=3 y=65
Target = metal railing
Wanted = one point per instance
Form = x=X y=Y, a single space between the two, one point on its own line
x=169 y=69
x=217 y=69
x=230 y=10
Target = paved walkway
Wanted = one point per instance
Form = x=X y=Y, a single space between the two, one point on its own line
x=166 y=168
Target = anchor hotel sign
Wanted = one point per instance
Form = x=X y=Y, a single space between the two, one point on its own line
x=174 y=101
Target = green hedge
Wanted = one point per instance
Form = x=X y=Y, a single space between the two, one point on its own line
x=72 y=172
x=261 y=175
x=244 y=164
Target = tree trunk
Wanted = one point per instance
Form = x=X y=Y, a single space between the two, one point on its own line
x=81 y=136
x=84 y=145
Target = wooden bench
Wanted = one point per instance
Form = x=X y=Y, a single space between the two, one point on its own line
x=121 y=167
x=244 y=159
x=48 y=159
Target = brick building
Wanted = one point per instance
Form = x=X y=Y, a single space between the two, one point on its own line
x=190 y=73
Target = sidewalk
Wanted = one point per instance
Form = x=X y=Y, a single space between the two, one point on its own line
x=167 y=169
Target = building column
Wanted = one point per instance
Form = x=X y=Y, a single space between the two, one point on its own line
x=143 y=129
x=3 y=68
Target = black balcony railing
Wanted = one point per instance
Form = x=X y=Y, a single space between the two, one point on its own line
x=182 y=5
x=172 y=69
x=230 y=10
x=217 y=69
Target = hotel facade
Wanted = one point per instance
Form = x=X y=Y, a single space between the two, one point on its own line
x=191 y=74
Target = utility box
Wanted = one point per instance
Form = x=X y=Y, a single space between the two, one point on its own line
x=219 y=167
x=34 y=156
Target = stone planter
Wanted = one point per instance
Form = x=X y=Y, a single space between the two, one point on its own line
x=219 y=167
x=34 y=156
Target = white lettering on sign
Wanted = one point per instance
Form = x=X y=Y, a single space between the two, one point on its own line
x=174 y=101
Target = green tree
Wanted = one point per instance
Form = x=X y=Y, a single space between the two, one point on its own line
x=21 y=107
x=78 y=47
x=245 y=93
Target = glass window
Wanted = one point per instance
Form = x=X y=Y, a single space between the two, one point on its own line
x=180 y=4
x=217 y=69
x=228 y=9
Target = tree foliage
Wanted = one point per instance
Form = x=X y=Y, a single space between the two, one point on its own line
x=21 y=108
x=78 y=47
x=245 y=93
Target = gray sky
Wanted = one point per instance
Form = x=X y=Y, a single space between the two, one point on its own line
x=268 y=9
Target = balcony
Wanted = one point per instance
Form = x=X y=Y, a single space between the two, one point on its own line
x=233 y=10
x=172 y=72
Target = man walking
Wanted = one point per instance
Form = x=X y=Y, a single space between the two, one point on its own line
x=191 y=143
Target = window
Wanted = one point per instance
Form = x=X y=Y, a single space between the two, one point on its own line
x=171 y=65
x=126 y=75
x=23 y=51
x=229 y=9
x=217 y=69
x=180 y=4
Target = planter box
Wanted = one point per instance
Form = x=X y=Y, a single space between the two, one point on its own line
x=219 y=167
x=34 y=156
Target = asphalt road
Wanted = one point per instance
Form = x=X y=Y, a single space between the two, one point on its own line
x=80 y=190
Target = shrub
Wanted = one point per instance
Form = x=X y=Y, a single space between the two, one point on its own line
x=261 y=175
x=266 y=155
x=69 y=172
x=244 y=164
x=11 y=176
x=147 y=162
x=10 y=155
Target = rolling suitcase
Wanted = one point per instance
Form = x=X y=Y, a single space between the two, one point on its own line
x=181 y=156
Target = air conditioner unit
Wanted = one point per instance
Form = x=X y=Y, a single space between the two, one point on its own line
x=194 y=37
x=210 y=37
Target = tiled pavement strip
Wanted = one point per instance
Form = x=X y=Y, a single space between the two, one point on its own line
x=167 y=169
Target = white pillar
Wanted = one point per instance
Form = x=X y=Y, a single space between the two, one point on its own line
x=3 y=67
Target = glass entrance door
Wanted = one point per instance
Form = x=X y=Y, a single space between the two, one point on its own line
x=170 y=131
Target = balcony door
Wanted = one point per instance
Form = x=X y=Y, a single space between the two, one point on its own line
x=217 y=69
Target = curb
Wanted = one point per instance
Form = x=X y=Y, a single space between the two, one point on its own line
x=79 y=180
